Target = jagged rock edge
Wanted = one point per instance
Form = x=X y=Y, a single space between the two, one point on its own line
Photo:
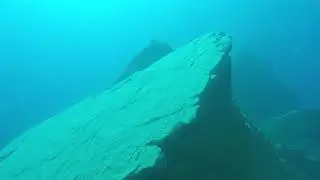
x=161 y=161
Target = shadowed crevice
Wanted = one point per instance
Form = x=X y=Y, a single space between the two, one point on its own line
x=216 y=144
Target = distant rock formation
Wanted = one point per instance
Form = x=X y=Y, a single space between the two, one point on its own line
x=297 y=136
x=174 y=120
x=152 y=53
x=259 y=91
x=305 y=163
x=296 y=128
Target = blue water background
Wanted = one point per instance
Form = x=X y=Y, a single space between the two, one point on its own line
x=53 y=53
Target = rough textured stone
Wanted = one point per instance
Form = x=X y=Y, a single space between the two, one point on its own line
x=173 y=120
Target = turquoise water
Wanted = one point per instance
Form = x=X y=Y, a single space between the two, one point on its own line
x=54 y=53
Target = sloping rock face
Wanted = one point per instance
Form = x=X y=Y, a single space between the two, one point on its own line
x=174 y=120
x=149 y=55
x=254 y=82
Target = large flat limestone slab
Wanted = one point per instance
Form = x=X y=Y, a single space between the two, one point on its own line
x=112 y=135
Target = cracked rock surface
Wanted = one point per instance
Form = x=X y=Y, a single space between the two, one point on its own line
x=173 y=120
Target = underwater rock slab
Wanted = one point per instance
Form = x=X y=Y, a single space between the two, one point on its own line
x=149 y=55
x=174 y=120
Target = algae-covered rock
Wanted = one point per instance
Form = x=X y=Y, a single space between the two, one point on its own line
x=173 y=120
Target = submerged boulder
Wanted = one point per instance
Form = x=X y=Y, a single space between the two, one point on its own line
x=173 y=120
x=149 y=55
